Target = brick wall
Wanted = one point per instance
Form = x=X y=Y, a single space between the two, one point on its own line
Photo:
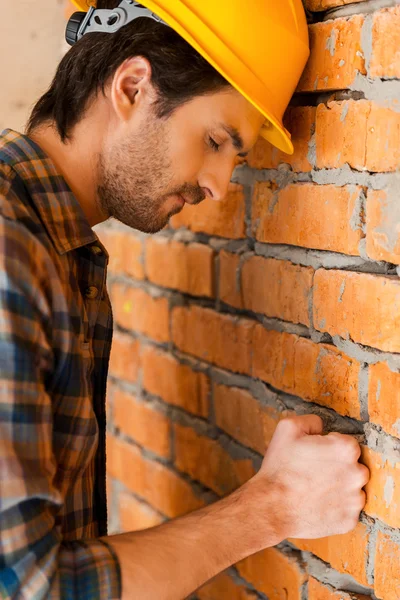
x=285 y=296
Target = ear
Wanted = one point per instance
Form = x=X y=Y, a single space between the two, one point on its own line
x=131 y=87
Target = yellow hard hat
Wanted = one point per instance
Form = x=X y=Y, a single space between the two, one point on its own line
x=259 y=46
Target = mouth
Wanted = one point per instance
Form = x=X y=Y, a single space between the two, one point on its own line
x=185 y=201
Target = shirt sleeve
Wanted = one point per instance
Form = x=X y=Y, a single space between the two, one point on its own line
x=35 y=561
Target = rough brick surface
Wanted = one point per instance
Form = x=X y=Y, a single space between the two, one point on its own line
x=275 y=574
x=124 y=358
x=319 y=591
x=189 y=268
x=143 y=423
x=313 y=216
x=342 y=299
x=336 y=55
x=207 y=462
x=347 y=553
x=244 y=418
x=215 y=338
x=150 y=480
x=387 y=568
x=384 y=398
x=275 y=288
x=341 y=131
x=174 y=382
x=362 y=134
x=136 y=310
x=315 y=372
x=383 y=224
x=383 y=489
x=385 y=59
x=223 y=586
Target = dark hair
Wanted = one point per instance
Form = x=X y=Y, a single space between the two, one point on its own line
x=179 y=72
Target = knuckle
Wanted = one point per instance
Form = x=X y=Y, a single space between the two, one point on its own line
x=364 y=474
x=351 y=448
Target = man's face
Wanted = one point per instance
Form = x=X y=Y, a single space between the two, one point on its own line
x=145 y=176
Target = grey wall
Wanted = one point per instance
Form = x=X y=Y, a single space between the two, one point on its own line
x=31 y=45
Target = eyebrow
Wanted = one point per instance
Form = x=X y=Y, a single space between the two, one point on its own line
x=236 y=138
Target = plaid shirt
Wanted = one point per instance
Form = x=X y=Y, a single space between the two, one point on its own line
x=55 y=339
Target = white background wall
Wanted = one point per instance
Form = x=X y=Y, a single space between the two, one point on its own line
x=31 y=46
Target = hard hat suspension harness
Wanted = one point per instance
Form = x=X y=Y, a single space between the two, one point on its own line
x=106 y=21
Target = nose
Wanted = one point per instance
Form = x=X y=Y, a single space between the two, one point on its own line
x=214 y=180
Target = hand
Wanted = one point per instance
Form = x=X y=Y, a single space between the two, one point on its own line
x=316 y=479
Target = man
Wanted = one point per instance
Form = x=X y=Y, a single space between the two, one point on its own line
x=135 y=124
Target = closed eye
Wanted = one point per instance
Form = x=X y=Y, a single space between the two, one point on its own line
x=214 y=144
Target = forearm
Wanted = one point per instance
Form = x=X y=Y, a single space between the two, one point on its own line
x=172 y=560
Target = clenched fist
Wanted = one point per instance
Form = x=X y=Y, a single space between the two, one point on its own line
x=316 y=480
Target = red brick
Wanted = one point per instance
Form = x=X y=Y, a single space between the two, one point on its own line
x=230 y=288
x=299 y=121
x=383 y=140
x=272 y=287
x=336 y=55
x=384 y=398
x=361 y=306
x=175 y=383
x=140 y=421
x=383 y=224
x=150 y=480
x=135 y=515
x=124 y=357
x=213 y=337
x=385 y=59
x=316 y=5
x=316 y=372
x=225 y=218
x=206 y=461
x=125 y=250
x=136 y=310
x=318 y=591
x=387 y=568
x=341 y=134
x=188 y=268
x=347 y=553
x=243 y=417
x=222 y=586
x=313 y=216
x=273 y=573
x=383 y=488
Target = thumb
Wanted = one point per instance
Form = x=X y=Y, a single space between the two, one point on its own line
x=308 y=425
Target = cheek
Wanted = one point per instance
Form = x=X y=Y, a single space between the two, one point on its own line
x=187 y=157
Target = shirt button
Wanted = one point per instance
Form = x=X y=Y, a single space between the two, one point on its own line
x=91 y=292
x=96 y=250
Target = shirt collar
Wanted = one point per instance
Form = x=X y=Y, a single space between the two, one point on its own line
x=60 y=211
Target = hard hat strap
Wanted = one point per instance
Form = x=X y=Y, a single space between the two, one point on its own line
x=110 y=21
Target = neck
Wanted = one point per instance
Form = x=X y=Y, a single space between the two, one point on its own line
x=76 y=161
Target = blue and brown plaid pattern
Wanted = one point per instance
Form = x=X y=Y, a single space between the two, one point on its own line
x=55 y=339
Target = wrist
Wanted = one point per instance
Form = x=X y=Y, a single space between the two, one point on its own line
x=261 y=505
